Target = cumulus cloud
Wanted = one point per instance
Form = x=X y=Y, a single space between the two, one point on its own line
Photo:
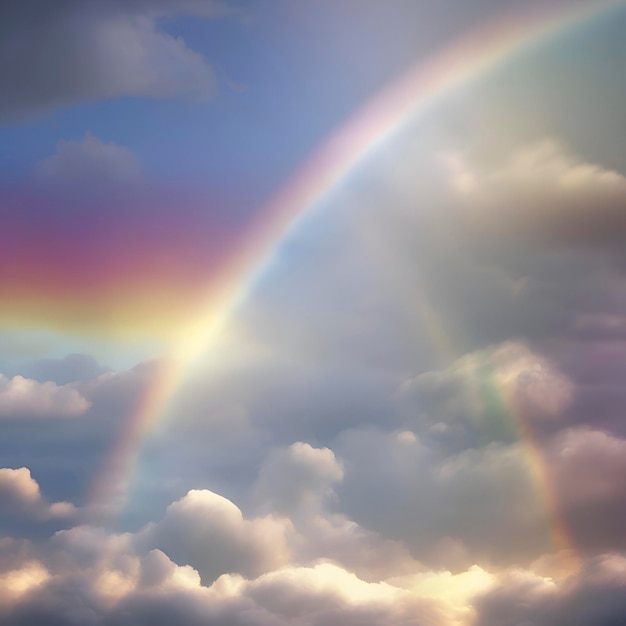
x=89 y=576
x=69 y=51
x=85 y=574
x=154 y=590
x=299 y=481
x=451 y=510
x=333 y=537
x=151 y=589
x=483 y=395
x=18 y=582
x=542 y=191
x=25 y=398
x=595 y=595
x=21 y=498
x=586 y=466
x=89 y=160
x=328 y=594
x=210 y=533
x=464 y=507
x=297 y=478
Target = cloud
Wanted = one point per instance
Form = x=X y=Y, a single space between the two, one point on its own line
x=542 y=191
x=451 y=510
x=70 y=368
x=208 y=532
x=483 y=395
x=20 y=498
x=299 y=481
x=354 y=505
x=298 y=478
x=88 y=574
x=333 y=537
x=57 y=54
x=587 y=466
x=595 y=595
x=461 y=508
x=154 y=590
x=28 y=577
x=89 y=160
x=328 y=594
x=25 y=398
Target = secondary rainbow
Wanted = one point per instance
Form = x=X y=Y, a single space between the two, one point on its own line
x=503 y=408
x=465 y=60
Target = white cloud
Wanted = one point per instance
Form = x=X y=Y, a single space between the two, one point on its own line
x=26 y=398
x=21 y=498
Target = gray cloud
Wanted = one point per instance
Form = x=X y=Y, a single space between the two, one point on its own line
x=89 y=161
x=455 y=509
x=298 y=478
x=596 y=595
x=71 y=368
x=542 y=192
x=55 y=54
x=481 y=396
x=209 y=532
x=451 y=510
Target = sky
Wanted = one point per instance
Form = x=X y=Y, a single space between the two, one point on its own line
x=312 y=313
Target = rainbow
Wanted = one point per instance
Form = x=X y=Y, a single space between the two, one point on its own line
x=504 y=410
x=468 y=58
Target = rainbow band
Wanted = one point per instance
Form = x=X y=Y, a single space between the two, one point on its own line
x=503 y=400
x=329 y=165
